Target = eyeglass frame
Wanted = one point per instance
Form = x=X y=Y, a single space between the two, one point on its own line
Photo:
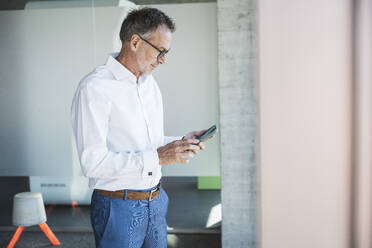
x=161 y=52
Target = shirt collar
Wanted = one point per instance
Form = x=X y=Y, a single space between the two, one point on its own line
x=120 y=72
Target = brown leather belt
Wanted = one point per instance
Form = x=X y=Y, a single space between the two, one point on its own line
x=131 y=195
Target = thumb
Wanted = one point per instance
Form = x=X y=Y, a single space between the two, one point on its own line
x=201 y=132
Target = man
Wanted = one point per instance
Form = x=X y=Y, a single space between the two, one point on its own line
x=117 y=117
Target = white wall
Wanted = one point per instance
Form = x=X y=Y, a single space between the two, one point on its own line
x=189 y=83
x=305 y=123
x=44 y=54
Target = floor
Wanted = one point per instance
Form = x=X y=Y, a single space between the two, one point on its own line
x=194 y=219
x=86 y=239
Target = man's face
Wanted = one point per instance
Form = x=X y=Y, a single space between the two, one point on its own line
x=148 y=56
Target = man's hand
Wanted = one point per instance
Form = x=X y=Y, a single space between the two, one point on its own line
x=179 y=151
x=196 y=135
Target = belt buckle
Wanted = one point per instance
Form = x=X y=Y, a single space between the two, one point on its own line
x=151 y=192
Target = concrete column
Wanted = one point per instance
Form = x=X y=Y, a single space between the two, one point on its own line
x=237 y=86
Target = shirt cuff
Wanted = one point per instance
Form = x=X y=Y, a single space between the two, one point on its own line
x=150 y=163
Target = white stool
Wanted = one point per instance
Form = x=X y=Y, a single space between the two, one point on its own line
x=28 y=210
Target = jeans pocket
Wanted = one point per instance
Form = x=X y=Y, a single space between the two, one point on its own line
x=100 y=213
x=165 y=201
x=166 y=196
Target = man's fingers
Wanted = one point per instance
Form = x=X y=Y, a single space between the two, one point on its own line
x=186 y=155
x=191 y=141
x=209 y=138
x=201 y=145
x=185 y=141
x=193 y=148
x=187 y=147
x=190 y=148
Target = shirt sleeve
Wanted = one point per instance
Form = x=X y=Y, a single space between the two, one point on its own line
x=90 y=113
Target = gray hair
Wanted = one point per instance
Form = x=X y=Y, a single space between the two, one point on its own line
x=144 y=22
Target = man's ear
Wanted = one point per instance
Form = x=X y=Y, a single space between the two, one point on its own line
x=134 y=42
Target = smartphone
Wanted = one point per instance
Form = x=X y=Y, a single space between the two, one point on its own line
x=209 y=133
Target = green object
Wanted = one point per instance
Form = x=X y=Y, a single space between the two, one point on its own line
x=209 y=183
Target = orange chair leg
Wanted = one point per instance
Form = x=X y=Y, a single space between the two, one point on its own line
x=16 y=236
x=53 y=239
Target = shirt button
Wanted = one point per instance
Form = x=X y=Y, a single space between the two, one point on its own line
x=150 y=173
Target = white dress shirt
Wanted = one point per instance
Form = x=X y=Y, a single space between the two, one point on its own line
x=118 y=126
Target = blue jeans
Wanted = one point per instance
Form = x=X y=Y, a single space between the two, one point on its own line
x=129 y=223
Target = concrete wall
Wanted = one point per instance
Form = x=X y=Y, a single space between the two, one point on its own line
x=237 y=77
x=305 y=98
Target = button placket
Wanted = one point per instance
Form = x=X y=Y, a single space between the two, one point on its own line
x=144 y=114
x=142 y=103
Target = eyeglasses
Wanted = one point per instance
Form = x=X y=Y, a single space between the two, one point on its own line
x=161 y=54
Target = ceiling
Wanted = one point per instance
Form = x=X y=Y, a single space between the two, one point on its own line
x=20 y=4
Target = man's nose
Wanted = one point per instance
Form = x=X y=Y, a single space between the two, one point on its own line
x=162 y=59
